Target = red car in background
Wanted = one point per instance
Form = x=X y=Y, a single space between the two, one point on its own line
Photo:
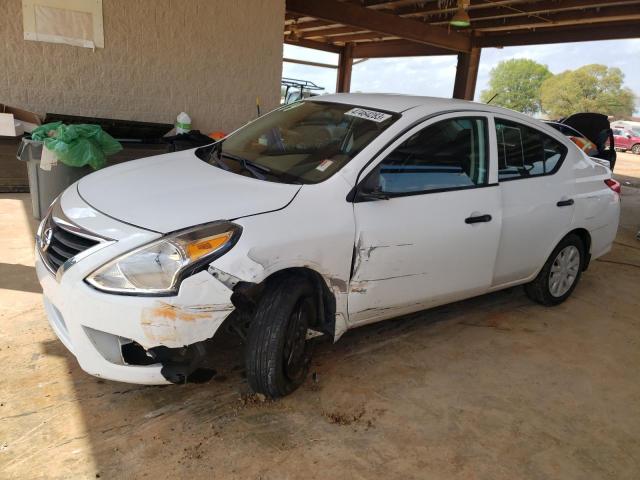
x=627 y=139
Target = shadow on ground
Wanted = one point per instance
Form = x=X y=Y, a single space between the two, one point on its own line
x=445 y=384
x=19 y=277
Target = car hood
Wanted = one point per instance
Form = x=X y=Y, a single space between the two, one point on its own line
x=178 y=190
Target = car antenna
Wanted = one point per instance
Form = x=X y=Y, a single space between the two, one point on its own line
x=491 y=99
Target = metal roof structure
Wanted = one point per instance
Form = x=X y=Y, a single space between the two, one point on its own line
x=396 y=28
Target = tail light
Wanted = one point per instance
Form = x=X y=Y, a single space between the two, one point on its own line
x=613 y=185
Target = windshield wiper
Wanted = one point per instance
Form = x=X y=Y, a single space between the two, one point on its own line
x=247 y=165
x=217 y=151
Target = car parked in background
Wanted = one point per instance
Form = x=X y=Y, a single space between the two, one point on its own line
x=321 y=216
x=627 y=139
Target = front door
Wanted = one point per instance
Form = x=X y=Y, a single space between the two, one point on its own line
x=428 y=219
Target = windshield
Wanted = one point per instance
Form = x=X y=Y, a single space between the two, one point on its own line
x=305 y=142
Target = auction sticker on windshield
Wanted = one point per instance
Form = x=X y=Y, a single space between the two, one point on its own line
x=368 y=114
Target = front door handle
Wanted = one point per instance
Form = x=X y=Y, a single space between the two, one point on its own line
x=565 y=203
x=478 y=219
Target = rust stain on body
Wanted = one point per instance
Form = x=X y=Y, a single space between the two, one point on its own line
x=171 y=312
x=166 y=323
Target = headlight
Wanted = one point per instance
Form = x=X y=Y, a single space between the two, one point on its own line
x=159 y=267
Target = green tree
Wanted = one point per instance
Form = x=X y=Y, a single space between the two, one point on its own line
x=516 y=85
x=592 y=88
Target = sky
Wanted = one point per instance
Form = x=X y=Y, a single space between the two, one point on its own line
x=434 y=76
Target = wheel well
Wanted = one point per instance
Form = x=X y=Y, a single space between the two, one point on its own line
x=246 y=295
x=586 y=242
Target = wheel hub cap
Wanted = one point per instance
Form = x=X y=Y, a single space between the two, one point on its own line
x=564 y=271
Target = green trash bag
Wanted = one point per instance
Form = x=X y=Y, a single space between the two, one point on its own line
x=77 y=145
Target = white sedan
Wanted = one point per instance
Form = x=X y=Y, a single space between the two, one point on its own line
x=318 y=217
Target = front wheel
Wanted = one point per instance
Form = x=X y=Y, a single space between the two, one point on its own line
x=278 y=355
x=560 y=273
x=636 y=149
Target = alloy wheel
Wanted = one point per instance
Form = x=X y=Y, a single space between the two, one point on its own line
x=564 y=271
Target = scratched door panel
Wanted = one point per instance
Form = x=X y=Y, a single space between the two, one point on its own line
x=417 y=251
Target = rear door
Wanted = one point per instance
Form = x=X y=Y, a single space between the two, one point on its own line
x=538 y=202
x=427 y=220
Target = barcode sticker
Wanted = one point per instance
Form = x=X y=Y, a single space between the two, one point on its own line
x=324 y=165
x=368 y=114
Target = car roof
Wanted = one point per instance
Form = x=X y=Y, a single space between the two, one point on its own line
x=391 y=102
x=398 y=103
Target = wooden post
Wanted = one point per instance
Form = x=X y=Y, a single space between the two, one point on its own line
x=467 y=74
x=345 y=64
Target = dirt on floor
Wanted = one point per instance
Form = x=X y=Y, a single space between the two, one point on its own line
x=491 y=388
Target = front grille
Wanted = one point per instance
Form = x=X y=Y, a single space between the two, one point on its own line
x=63 y=245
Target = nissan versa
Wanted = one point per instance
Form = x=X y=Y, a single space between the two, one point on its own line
x=321 y=216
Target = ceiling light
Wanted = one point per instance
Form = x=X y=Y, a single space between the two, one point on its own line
x=461 y=18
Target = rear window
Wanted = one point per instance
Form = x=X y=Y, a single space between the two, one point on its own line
x=524 y=152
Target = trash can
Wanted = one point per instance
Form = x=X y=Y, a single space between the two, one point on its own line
x=138 y=139
x=46 y=185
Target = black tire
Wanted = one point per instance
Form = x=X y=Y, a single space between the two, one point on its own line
x=636 y=149
x=539 y=290
x=278 y=331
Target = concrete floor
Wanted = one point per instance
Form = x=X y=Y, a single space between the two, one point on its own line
x=495 y=387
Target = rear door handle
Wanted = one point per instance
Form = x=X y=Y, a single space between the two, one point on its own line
x=565 y=203
x=478 y=219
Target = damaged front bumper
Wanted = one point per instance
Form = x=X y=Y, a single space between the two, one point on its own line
x=132 y=339
x=136 y=339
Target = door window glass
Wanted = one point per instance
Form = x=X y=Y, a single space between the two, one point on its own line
x=525 y=152
x=448 y=154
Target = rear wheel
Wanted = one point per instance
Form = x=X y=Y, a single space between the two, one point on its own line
x=636 y=149
x=560 y=273
x=278 y=355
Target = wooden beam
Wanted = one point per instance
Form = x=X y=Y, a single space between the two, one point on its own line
x=602 y=15
x=548 y=8
x=327 y=32
x=345 y=65
x=510 y=8
x=467 y=74
x=409 y=9
x=311 y=24
x=396 y=48
x=387 y=24
x=327 y=47
x=584 y=33
x=306 y=62
x=367 y=37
